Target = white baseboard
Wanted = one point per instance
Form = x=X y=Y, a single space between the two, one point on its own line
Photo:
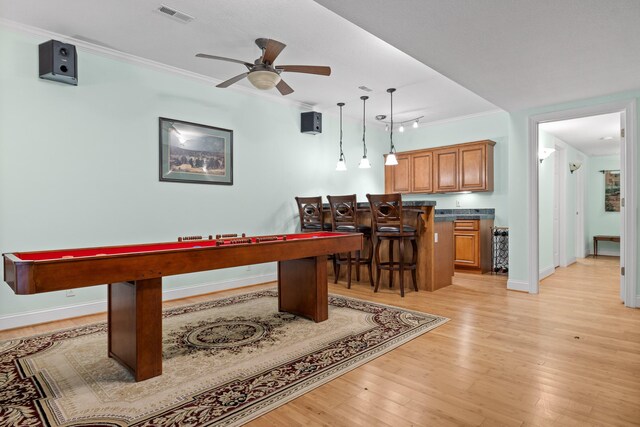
x=58 y=313
x=34 y=317
x=571 y=260
x=517 y=285
x=546 y=272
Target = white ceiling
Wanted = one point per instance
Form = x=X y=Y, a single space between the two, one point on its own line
x=517 y=54
x=587 y=133
x=313 y=34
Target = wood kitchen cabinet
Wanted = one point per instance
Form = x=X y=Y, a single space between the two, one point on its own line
x=412 y=174
x=461 y=167
x=422 y=172
x=472 y=245
x=475 y=170
x=446 y=170
x=398 y=177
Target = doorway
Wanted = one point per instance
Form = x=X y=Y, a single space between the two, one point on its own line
x=628 y=172
x=577 y=147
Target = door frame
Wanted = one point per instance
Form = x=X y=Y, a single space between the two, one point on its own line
x=629 y=171
x=581 y=250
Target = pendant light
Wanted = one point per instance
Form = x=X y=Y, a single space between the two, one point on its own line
x=364 y=162
x=391 y=157
x=341 y=165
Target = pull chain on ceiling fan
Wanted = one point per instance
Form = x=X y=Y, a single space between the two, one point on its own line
x=263 y=74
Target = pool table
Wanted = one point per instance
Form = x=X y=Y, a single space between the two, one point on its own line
x=134 y=277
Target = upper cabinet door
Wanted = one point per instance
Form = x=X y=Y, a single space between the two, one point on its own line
x=476 y=167
x=402 y=175
x=398 y=178
x=445 y=170
x=422 y=172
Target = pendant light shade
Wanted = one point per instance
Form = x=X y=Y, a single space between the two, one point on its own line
x=391 y=157
x=341 y=165
x=391 y=160
x=364 y=162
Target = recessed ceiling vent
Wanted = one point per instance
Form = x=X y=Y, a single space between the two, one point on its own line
x=175 y=14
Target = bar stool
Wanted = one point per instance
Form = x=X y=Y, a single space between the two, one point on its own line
x=386 y=213
x=344 y=218
x=311 y=215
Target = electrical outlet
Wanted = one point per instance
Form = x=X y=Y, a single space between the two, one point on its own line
x=457 y=203
x=70 y=293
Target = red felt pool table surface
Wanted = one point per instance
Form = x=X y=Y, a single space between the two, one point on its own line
x=153 y=247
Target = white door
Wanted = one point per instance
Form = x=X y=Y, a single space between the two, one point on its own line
x=623 y=154
x=556 y=210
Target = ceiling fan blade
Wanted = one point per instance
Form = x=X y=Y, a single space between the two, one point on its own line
x=272 y=50
x=308 y=69
x=284 y=88
x=232 y=80
x=222 y=58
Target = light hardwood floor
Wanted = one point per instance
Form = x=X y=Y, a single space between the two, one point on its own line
x=569 y=356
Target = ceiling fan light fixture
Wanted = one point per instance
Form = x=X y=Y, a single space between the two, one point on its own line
x=264 y=80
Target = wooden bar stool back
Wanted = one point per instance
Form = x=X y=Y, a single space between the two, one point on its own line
x=311 y=215
x=344 y=218
x=387 y=217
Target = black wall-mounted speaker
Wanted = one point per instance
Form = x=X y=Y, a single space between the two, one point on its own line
x=58 y=62
x=311 y=122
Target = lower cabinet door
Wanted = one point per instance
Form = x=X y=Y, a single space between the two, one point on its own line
x=467 y=248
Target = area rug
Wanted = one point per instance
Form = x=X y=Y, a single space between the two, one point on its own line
x=225 y=362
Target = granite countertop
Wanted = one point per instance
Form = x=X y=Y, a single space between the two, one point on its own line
x=454 y=214
x=405 y=204
x=440 y=214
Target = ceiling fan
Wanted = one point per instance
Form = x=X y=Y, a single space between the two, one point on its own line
x=263 y=74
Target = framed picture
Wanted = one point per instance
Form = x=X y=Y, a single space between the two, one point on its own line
x=190 y=152
x=612 y=191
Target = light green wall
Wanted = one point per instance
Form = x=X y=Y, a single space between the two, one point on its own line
x=599 y=221
x=518 y=180
x=493 y=126
x=79 y=165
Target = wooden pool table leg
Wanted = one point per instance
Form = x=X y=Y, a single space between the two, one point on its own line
x=302 y=287
x=135 y=326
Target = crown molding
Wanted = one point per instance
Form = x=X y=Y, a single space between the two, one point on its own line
x=104 y=51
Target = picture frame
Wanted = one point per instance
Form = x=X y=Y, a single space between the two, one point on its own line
x=195 y=153
x=612 y=191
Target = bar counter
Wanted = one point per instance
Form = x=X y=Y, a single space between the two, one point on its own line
x=435 y=256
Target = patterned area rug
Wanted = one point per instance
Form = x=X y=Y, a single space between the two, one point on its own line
x=225 y=362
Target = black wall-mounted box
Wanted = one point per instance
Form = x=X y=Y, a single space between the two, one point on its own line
x=311 y=122
x=58 y=62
